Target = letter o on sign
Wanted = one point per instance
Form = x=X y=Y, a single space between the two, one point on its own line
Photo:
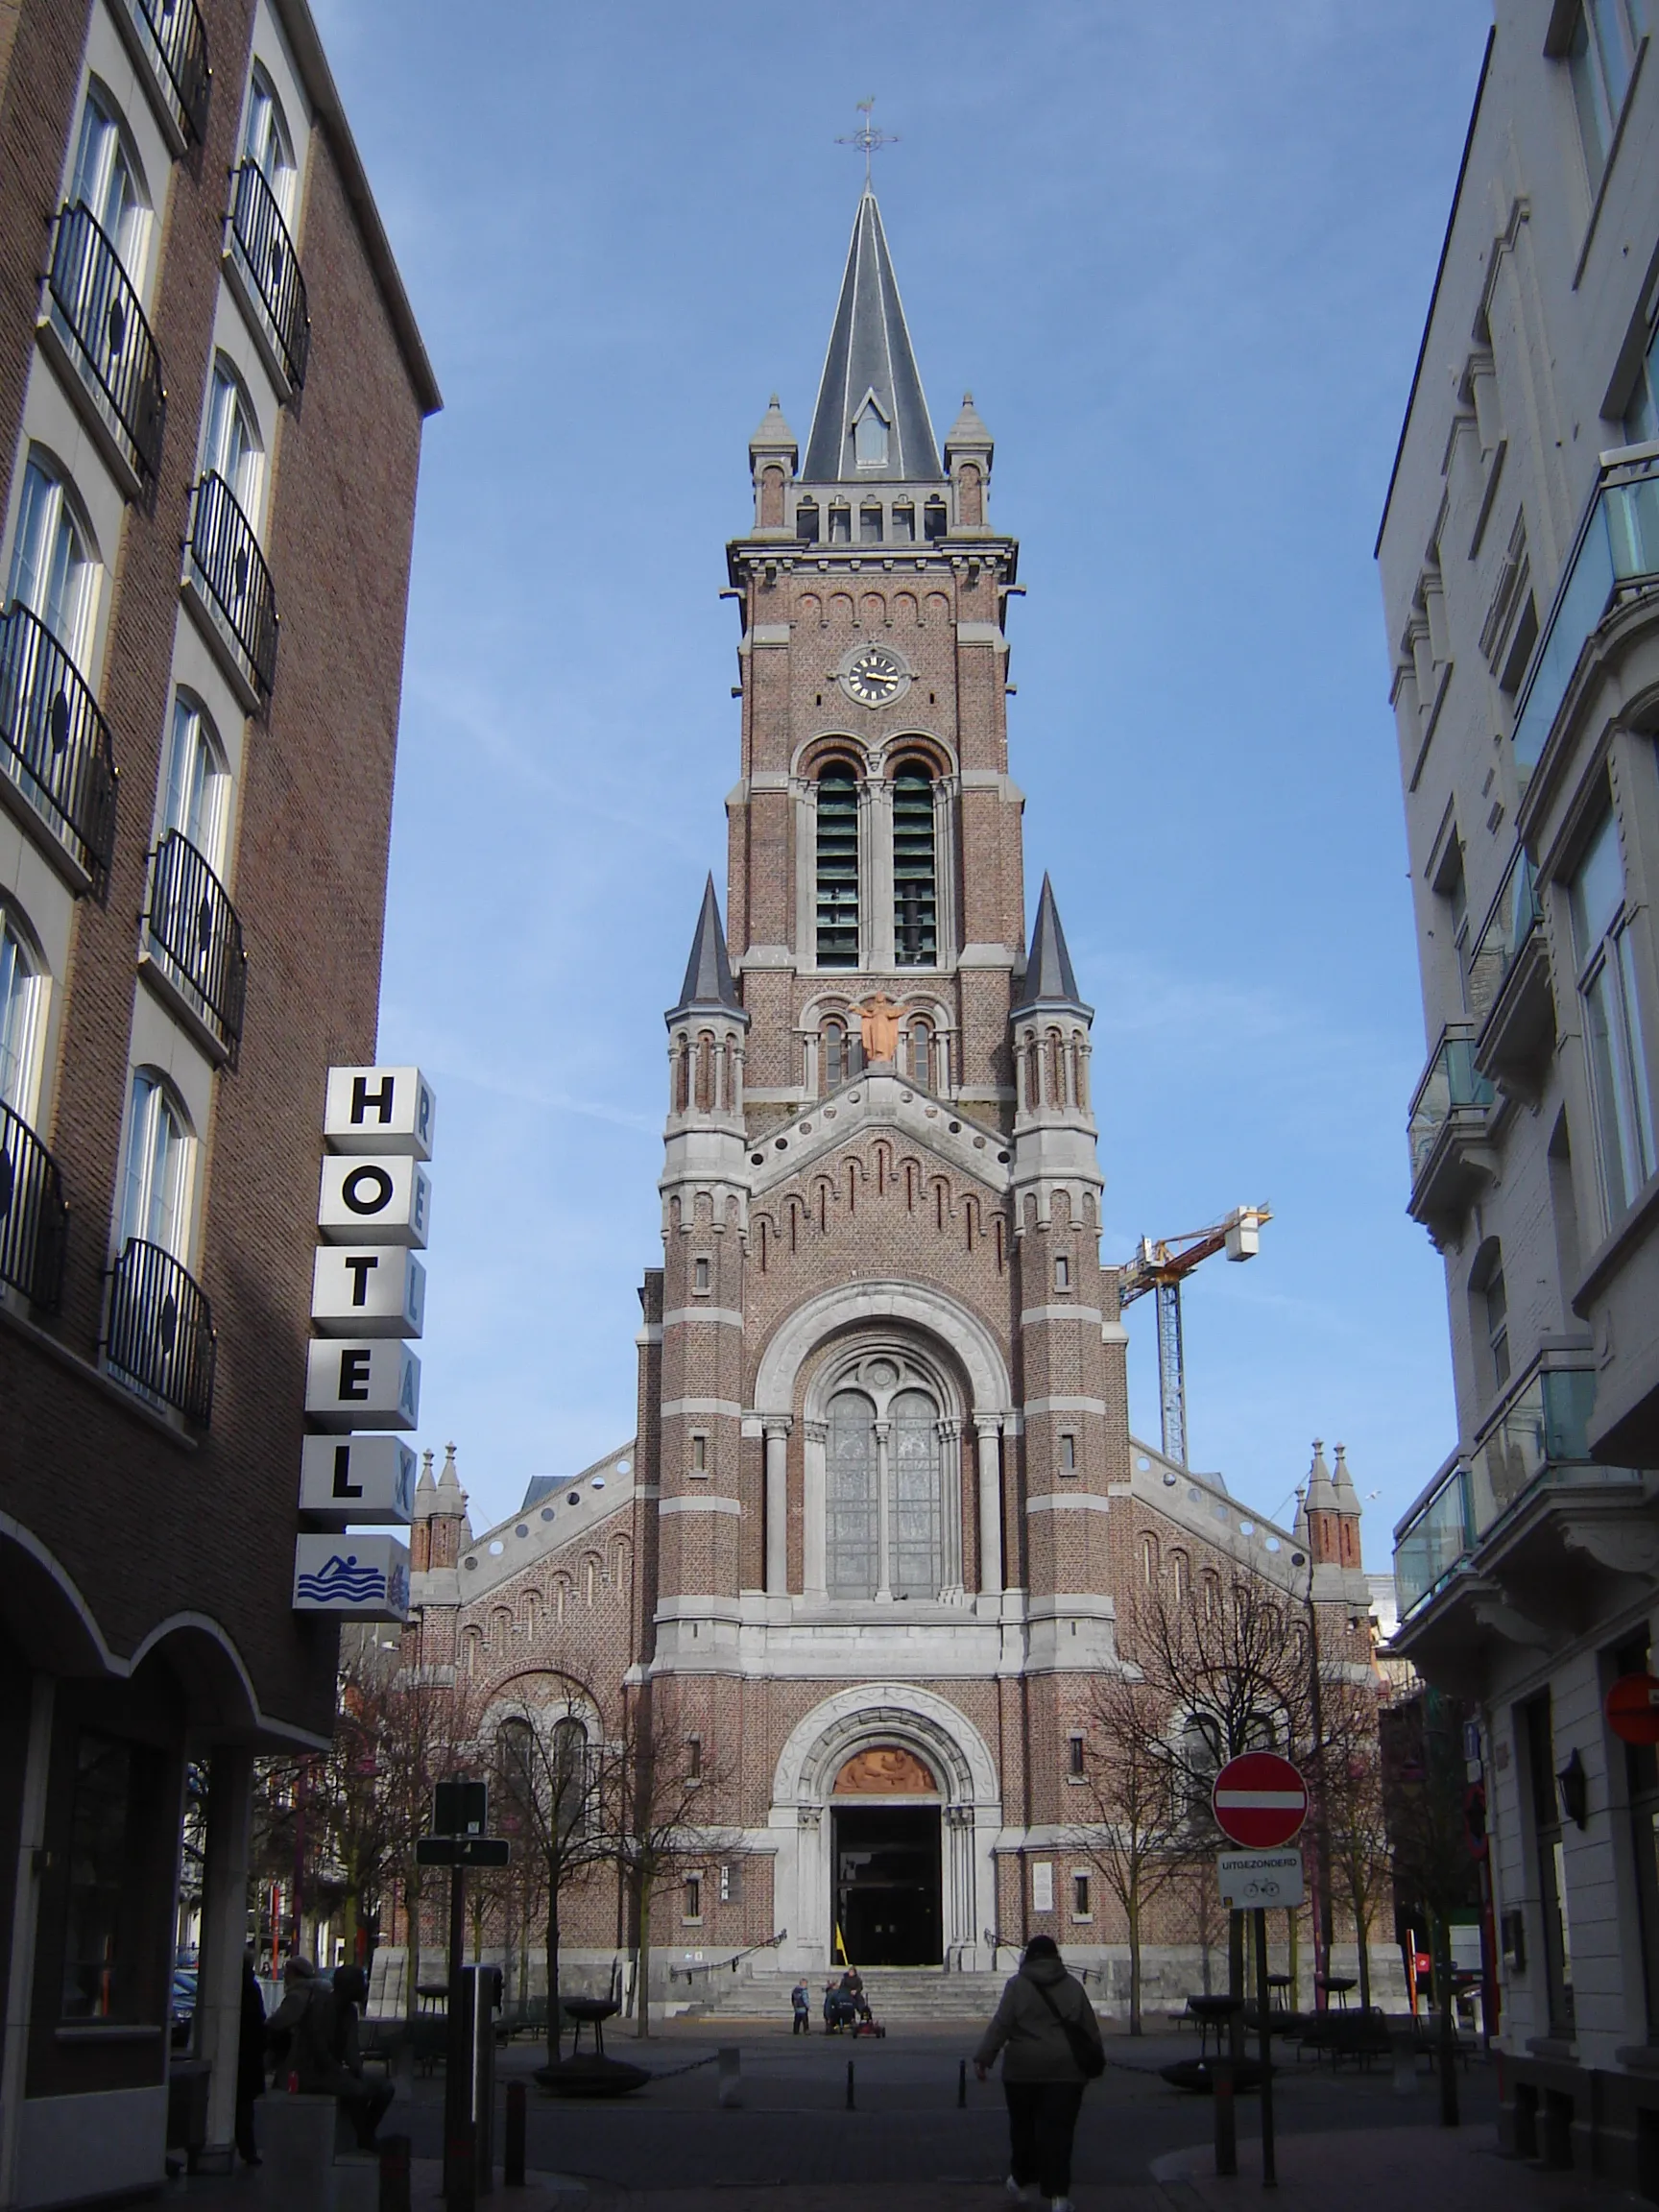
x=367 y=1190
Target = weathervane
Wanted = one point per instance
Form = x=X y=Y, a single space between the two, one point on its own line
x=867 y=137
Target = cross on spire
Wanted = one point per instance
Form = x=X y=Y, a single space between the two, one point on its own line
x=868 y=138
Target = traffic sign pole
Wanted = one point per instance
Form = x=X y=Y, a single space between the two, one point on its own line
x=1265 y=2043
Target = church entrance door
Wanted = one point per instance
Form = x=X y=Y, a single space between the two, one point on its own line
x=887 y=1884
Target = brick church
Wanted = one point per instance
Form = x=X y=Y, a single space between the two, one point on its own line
x=868 y=1541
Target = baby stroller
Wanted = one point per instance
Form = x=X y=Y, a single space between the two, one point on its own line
x=840 y=2009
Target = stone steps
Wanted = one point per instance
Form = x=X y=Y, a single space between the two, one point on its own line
x=913 y=1994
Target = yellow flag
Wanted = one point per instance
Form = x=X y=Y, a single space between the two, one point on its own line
x=841 y=1945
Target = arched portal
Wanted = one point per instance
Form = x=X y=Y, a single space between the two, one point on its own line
x=886 y=1862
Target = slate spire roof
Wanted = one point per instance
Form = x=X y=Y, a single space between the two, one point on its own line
x=870 y=360
x=708 y=971
x=1048 y=980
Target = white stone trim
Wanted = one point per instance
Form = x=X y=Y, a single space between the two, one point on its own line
x=728 y=1317
x=1065 y=1406
x=672 y=1405
x=1035 y=1313
x=700 y=1506
x=1056 y=1501
x=930 y=1310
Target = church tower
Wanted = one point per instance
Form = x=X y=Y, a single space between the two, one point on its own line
x=882 y=1377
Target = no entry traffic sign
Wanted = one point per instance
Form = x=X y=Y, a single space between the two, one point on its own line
x=1633 y=1709
x=1260 y=1800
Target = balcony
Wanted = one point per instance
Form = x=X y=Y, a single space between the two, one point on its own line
x=194 y=933
x=1616 y=556
x=1434 y=1538
x=1509 y=992
x=160 y=1339
x=34 y=1218
x=227 y=572
x=94 y=315
x=1540 y=1439
x=1451 y=1160
x=55 y=752
x=170 y=36
x=262 y=255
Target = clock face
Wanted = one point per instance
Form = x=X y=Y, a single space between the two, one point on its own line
x=875 y=676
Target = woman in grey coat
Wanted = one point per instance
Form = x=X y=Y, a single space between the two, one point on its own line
x=1042 y=2078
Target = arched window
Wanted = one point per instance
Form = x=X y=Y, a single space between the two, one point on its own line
x=854 y=1503
x=590 y=1580
x=561 y=1596
x=269 y=143
x=870 y=435
x=53 y=571
x=160 y=1157
x=1489 y=1317
x=231 y=441
x=1149 y=1561
x=1179 y=1576
x=916 y=1505
x=921 y=1053
x=106 y=183
x=837 y=869
x=471 y=1646
x=1212 y=1596
x=22 y=1016
x=884 y=1479
x=915 y=887
x=833 y=1054
x=198 y=784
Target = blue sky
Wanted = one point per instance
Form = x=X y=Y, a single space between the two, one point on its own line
x=1182 y=258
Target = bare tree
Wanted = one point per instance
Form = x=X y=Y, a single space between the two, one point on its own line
x=558 y=1777
x=1136 y=1833
x=1351 y=1773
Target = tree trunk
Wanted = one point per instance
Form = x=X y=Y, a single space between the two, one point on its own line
x=1132 y=1913
x=553 y=2022
x=1362 y=1942
x=642 y=1953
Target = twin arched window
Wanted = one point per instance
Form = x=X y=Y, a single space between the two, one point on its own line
x=915 y=870
x=885 y=1498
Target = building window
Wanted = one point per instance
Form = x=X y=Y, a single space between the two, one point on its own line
x=837 y=869
x=198 y=784
x=915 y=884
x=1605 y=952
x=907 y=1463
x=935 y=520
x=1178 y=1576
x=840 y=523
x=1600 y=49
x=700 y=1275
x=731 y=1882
x=869 y=522
x=230 y=443
x=22 y=1016
x=103 y=1944
x=53 y=572
x=1062 y=1272
x=834 y=1054
x=1454 y=890
x=269 y=144
x=1641 y=1763
x=1081 y=1909
x=699 y=1455
x=1538 y=1735
x=156 y=1193
x=1068 y=1453
x=694 y=1758
x=1212 y=1596
x=1074 y=1755
x=106 y=183
x=922 y=1054
x=806 y=522
x=904 y=522
x=869 y=441
x=693 y=1898
x=1149 y=1561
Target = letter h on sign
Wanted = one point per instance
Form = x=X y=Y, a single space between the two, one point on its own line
x=380 y=1110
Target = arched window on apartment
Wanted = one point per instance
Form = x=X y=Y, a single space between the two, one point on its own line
x=23 y=992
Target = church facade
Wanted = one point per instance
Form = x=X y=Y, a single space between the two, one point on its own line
x=868 y=1544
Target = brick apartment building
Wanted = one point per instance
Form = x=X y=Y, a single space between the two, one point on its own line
x=211 y=399
x=868 y=1544
x=1519 y=557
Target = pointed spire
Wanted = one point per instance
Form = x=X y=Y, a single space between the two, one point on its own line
x=425 y=1490
x=1343 y=1481
x=708 y=971
x=968 y=434
x=1048 y=980
x=871 y=366
x=1299 y=1526
x=773 y=435
x=1321 y=1493
x=450 y=1497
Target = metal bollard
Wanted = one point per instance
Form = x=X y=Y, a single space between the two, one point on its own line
x=730 y=2094
x=394 y=2173
x=962 y=2085
x=512 y=2137
x=850 y=2085
x=1226 y=2119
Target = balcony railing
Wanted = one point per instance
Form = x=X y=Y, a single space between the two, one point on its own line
x=267 y=255
x=96 y=311
x=34 y=1218
x=1437 y=1535
x=226 y=556
x=1515 y=914
x=1451 y=1084
x=171 y=32
x=1617 y=551
x=55 y=743
x=192 y=922
x=160 y=1335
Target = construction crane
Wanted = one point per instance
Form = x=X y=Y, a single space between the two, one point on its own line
x=1163 y=1266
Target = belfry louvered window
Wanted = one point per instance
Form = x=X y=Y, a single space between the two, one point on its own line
x=915 y=886
x=837 y=869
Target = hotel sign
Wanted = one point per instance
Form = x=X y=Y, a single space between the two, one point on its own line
x=368 y=1301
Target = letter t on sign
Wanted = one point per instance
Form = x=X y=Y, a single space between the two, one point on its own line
x=358 y=1267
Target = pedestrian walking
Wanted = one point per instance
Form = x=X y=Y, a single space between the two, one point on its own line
x=1049 y=2040
x=250 y=2061
x=800 y=2004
